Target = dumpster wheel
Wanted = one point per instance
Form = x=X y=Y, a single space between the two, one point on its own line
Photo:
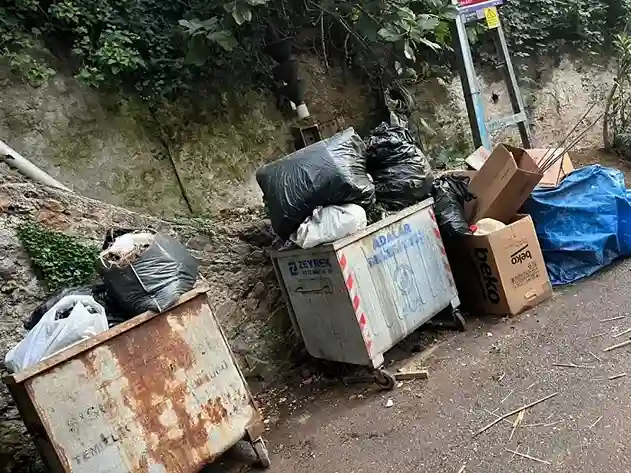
x=459 y=320
x=261 y=452
x=384 y=379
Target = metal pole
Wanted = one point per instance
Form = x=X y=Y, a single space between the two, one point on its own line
x=470 y=86
x=511 y=80
x=24 y=166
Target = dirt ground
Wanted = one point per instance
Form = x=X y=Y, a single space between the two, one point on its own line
x=498 y=365
x=586 y=157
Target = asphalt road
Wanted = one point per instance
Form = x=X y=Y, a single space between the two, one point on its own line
x=497 y=364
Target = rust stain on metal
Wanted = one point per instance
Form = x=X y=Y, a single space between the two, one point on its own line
x=217 y=413
x=152 y=382
x=90 y=363
x=150 y=394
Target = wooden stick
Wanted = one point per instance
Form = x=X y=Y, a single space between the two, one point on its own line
x=621 y=375
x=622 y=333
x=571 y=365
x=410 y=375
x=552 y=423
x=497 y=415
x=528 y=457
x=599 y=359
x=513 y=457
x=601 y=334
x=612 y=319
x=619 y=345
x=512 y=413
x=462 y=468
x=518 y=420
x=595 y=423
x=507 y=396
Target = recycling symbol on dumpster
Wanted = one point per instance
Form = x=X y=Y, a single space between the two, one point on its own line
x=405 y=283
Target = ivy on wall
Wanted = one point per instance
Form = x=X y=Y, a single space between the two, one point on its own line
x=161 y=49
x=537 y=27
x=60 y=260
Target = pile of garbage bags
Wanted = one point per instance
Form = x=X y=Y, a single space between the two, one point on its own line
x=329 y=172
x=400 y=171
x=140 y=271
x=323 y=192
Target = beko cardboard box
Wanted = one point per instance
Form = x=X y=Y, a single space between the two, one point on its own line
x=502 y=272
x=502 y=184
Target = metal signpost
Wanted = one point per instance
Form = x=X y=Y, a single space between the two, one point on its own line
x=476 y=10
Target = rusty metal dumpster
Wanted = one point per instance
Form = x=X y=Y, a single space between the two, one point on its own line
x=160 y=393
x=354 y=299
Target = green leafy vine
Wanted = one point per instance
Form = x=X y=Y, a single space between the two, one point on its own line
x=538 y=27
x=164 y=49
x=59 y=260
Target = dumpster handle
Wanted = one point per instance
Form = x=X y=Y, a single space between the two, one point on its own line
x=325 y=288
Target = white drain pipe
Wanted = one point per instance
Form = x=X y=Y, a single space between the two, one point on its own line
x=303 y=111
x=24 y=166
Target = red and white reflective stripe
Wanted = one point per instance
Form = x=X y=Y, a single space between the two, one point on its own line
x=441 y=247
x=353 y=293
x=349 y=282
x=343 y=263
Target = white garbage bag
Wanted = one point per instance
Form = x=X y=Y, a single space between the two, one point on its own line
x=328 y=224
x=87 y=318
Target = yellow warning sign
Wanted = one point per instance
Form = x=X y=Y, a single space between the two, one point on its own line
x=492 y=17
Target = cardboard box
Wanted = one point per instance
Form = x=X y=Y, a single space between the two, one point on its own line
x=553 y=176
x=502 y=184
x=477 y=159
x=502 y=272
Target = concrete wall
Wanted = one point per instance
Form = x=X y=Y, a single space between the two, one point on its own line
x=555 y=98
x=107 y=148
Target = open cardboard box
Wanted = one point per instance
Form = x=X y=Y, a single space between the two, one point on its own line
x=502 y=184
x=502 y=272
x=553 y=176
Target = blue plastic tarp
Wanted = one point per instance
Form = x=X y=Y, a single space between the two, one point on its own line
x=583 y=224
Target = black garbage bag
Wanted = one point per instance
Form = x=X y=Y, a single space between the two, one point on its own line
x=400 y=171
x=376 y=213
x=450 y=193
x=115 y=314
x=154 y=279
x=329 y=172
